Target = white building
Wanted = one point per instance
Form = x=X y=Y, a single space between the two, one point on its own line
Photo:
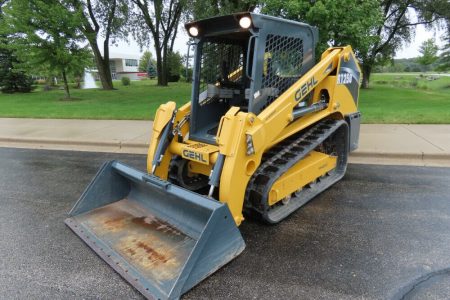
x=125 y=65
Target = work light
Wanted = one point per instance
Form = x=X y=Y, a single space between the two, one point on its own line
x=245 y=22
x=193 y=31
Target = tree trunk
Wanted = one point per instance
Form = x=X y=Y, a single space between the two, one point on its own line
x=367 y=70
x=160 y=65
x=103 y=68
x=66 y=85
x=165 y=71
x=106 y=66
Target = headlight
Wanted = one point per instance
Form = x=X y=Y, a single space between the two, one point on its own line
x=193 y=31
x=245 y=22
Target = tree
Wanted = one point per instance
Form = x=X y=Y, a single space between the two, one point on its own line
x=145 y=61
x=151 y=71
x=400 y=17
x=11 y=80
x=41 y=33
x=337 y=26
x=376 y=29
x=174 y=64
x=444 y=58
x=162 y=18
x=105 y=19
x=202 y=9
x=429 y=50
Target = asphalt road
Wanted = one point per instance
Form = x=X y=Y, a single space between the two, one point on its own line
x=383 y=232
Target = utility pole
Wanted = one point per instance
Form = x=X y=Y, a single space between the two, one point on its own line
x=188 y=57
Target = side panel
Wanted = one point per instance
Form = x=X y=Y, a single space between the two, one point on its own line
x=354 y=121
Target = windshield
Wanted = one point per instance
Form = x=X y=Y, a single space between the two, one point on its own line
x=221 y=67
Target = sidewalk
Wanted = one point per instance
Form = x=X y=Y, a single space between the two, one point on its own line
x=425 y=145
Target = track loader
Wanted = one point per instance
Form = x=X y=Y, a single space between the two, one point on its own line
x=266 y=130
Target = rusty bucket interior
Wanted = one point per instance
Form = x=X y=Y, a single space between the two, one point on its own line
x=161 y=238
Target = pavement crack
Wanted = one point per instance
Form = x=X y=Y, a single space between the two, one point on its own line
x=408 y=291
x=426 y=140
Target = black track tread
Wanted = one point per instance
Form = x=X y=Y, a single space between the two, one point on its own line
x=277 y=160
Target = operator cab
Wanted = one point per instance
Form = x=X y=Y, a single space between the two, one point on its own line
x=244 y=60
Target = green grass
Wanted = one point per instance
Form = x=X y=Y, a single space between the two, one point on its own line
x=137 y=101
x=392 y=98
x=406 y=99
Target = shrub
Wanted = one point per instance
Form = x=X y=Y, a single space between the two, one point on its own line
x=125 y=80
x=422 y=85
x=11 y=80
x=16 y=82
x=189 y=74
x=381 y=81
x=40 y=81
x=174 y=78
x=174 y=63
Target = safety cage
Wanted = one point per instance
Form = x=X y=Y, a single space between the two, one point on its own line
x=224 y=76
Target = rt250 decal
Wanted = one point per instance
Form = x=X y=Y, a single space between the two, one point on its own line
x=344 y=78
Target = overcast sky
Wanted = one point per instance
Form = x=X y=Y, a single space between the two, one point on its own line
x=408 y=51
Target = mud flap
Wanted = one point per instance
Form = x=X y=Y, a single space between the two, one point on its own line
x=161 y=238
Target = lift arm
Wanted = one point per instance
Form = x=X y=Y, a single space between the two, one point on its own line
x=243 y=137
x=280 y=113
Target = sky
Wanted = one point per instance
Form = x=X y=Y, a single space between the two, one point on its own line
x=408 y=51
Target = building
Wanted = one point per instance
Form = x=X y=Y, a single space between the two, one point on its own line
x=125 y=65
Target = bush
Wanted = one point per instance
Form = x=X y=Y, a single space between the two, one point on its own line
x=11 y=80
x=174 y=78
x=381 y=81
x=125 y=80
x=174 y=64
x=16 y=82
x=40 y=81
x=422 y=85
x=189 y=73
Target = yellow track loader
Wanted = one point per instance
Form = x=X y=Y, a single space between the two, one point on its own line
x=266 y=129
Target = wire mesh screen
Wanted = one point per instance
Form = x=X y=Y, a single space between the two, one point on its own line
x=283 y=60
x=219 y=62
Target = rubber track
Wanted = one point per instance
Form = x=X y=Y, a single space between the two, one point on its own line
x=281 y=157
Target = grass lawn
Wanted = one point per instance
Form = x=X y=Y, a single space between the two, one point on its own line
x=392 y=98
x=137 y=101
x=397 y=98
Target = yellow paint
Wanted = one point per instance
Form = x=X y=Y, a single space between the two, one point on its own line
x=237 y=167
x=272 y=125
x=177 y=148
x=198 y=152
x=236 y=74
x=163 y=116
x=198 y=168
x=313 y=166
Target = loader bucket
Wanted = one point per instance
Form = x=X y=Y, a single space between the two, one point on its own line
x=161 y=238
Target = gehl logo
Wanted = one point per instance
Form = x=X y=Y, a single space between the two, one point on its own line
x=193 y=155
x=305 y=89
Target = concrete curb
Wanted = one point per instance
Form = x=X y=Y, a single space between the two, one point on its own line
x=413 y=159
x=422 y=156
x=49 y=141
x=369 y=157
x=75 y=145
